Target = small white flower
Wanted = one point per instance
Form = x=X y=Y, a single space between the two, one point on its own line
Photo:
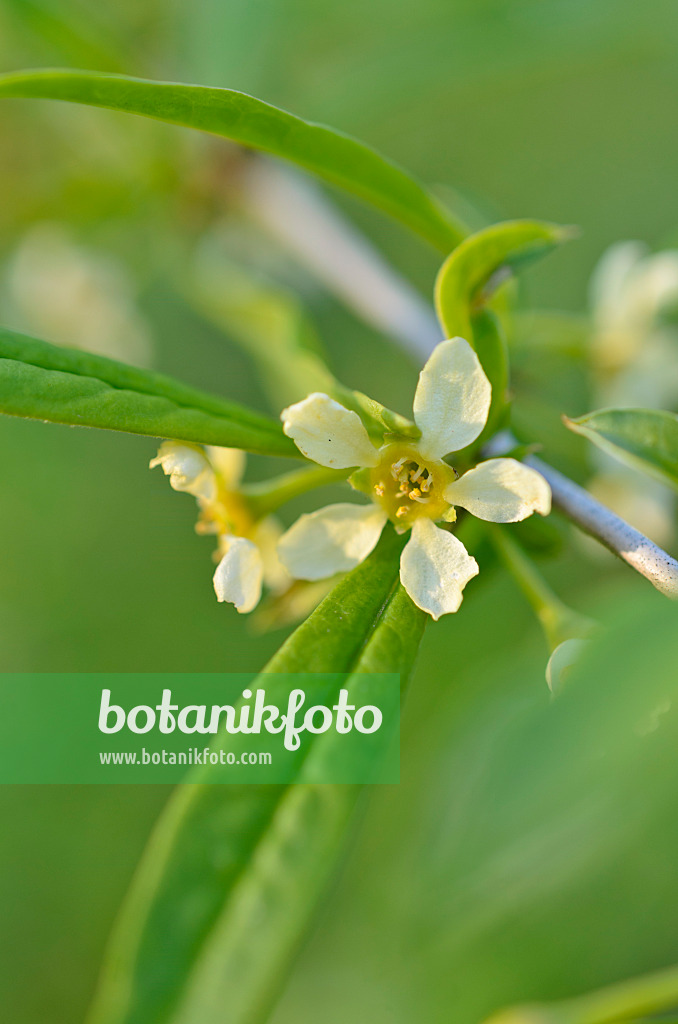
x=239 y=575
x=187 y=467
x=633 y=350
x=409 y=483
x=247 y=550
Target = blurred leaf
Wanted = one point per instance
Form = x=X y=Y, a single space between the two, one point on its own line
x=43 y=381
x=567 y=815
x=333 y=156
x=232 y=874
x=466 y=282
x=552 y=331
x=540 y=536
x=269 y=323
x=646 y=439
x=68 y=32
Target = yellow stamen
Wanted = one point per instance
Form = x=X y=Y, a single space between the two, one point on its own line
x=407 y=486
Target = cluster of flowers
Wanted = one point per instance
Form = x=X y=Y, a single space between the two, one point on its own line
x=408 y=481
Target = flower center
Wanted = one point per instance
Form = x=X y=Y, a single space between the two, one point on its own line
x=408 y=487
x=228 y=514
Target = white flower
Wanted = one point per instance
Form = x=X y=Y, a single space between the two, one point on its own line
x=633 y=351
x=409 y=483
x=247 y=548
x=187 y=467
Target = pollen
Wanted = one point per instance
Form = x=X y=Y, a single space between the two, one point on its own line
x=407 y=486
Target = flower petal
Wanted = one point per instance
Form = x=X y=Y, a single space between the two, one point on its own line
x=501 y=491
x=333 y=539
x=239 y=575
x=434 y=568
x=187 y=467
x=229 y=464
x=266 y=535
x=452 y=400
x=328 y=433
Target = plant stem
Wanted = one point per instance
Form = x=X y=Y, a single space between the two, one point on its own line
x=558 y=621
x=338 y=255
x=267 y=496
x=622 y=539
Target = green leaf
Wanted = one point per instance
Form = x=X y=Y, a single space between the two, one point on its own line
x=232 y=874
x=60 y=385
x=333 y=156
x=646 y=439
x=466 y=282
x=476 y=268
x=569 y=805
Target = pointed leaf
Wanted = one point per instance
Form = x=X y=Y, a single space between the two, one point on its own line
x=333 y=156
x=646 y=439
x=46 y=382
x=232 y=874
x=476 y=268
x=466 y=282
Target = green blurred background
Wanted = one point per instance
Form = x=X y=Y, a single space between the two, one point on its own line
x=563 y=110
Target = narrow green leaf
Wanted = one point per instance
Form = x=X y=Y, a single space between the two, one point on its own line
x=646 y=439
x=232 y=874
x=466 y=282
x=333 y=156
x=47 y=382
